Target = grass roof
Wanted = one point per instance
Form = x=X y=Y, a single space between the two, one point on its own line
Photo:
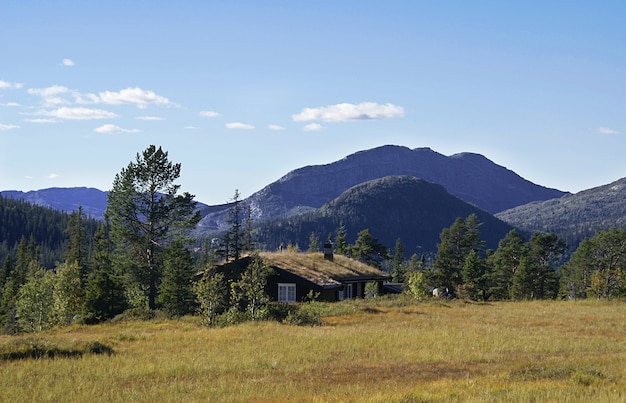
x=313 y=267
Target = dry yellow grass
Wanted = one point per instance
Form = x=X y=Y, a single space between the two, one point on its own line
x=536 y=351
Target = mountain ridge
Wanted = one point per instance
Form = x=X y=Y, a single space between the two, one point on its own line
x=469 y=176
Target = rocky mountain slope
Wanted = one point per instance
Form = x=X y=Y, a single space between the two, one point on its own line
x=471 y=177
x=574 y=217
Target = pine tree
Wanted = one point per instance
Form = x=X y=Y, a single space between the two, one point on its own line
x=314 y=241
x=176 y=295
x=146 y=214
x=234 y=237
x=505 y=261
x=341 y=247
x=76 y=244
x=456 y=243
x=105 y=296
x=368 y=249
x=398 y=268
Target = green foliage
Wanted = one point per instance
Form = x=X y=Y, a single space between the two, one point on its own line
x=176 y=296
x=45 y=226
x=476 y=277
x=34 y=305
x=68 y=295
x=249 y=290
x=371 y=289
x=314 y=242
x=306 y=314
x=504 y=262
x=457 y=242
x=418 y=285
x=31 y=348
x=398 y=267
x=211 y=295
x=76 y=244
x=146 y=214
x=597 y=267
x=234 y=238
x=368 y=249
x=341 y=246
x=104 y=296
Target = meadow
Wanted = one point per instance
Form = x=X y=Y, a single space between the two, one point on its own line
x=380 y=350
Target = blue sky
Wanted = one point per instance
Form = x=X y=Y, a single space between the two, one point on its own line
x=242 y=92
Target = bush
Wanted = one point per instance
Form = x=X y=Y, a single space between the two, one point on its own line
x=279 y=311
x=308 y=314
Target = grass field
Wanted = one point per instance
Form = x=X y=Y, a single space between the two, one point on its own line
x=376 y=351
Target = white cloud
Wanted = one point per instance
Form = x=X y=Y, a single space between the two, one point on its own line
x=190 y=128
x=313 y=127
x=209 y=114
x=67 y=62
x=345 y=112
x=149 y=118
x=607 y=130
x=52 y=176
x=136 y=96
x=109 y=128
x=41 y=120
x=49 y=91
x=4 y=127
x=11 y=104
x=238 y=125
x=5 y=85
x=51 y=95
x=78 y=113
x=275 y=127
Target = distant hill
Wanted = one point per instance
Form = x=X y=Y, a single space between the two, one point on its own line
x=93 y=201
x=404 y=207
x=574 y=217
x=471 y=177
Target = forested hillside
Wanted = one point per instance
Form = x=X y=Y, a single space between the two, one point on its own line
x=393 y=207
x=44 y=226
x=574 y=217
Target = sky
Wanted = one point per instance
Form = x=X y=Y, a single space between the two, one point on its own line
x=242 y=92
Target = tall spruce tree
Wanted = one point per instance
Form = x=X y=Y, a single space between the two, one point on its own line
x=176 y=295
x=76 y=244
x=234 y=238
x=457 y=242
x=146 y=214
x=341 y=246
x=505 y=262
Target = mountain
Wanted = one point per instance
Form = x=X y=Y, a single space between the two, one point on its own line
x=471 y=177
x=404 y=207
x=574 y=217
x=92 y=201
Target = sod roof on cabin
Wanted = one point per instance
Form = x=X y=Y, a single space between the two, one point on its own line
x=326 y=273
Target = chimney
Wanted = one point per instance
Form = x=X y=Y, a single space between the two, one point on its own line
x=328 y=250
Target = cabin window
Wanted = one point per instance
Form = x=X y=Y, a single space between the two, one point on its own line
x=286 y=292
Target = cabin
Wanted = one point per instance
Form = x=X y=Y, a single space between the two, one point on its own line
x=334 y=278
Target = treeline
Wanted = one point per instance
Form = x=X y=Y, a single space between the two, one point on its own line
x=140 y=260
x=521 y=269
x=38 y=225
